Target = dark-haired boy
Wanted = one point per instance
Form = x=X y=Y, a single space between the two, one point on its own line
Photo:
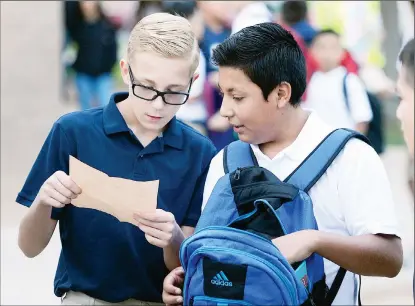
x=262 y=76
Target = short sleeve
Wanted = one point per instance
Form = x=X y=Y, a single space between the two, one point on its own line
x=214 y=174
x=53 y=156
x=365 y=192
x=194 y=210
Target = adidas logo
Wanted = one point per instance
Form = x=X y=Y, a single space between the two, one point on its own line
x=220 y=279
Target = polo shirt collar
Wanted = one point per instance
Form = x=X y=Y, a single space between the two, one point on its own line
x=113 y=120
x=115 y=123
x=304 y=144
x=307 y=140
x=173 y=135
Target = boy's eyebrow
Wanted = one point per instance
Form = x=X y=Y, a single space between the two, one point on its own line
x=230 y=90
x=148 y=81
x=176 y=85
x=153 y=84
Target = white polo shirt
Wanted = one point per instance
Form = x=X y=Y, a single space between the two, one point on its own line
x=352 y=198
x=325 y=96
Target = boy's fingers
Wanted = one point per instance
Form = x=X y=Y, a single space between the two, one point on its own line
x=57 y=185
x=178 y=270
x=171 y=289
x=170 y=299
x=155 y=241
x=66 y=181
x=149 y=223
x=158 y=216
x=153 y=232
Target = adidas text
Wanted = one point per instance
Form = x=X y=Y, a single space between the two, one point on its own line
x=221 y=283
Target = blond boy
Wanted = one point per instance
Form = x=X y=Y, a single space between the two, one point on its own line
x=136 y=136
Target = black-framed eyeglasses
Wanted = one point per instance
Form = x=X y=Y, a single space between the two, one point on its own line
x=150 y=94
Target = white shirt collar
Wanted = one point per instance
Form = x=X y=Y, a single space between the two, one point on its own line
x=311 y=135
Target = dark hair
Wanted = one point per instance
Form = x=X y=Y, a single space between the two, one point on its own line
x=182 y=8
x=406 y=57
x=325 y=32
x=269 y=55
x=74 y=16
x=294 y=11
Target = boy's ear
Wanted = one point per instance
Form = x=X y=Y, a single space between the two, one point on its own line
x=124 y=72
x=281 y=95
x=284 y=94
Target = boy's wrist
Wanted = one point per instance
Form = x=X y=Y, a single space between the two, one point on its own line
x=177 y=237
x=315 y=239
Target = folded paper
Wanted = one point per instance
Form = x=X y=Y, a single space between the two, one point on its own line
x=116 y=196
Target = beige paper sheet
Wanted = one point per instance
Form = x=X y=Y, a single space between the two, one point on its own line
x=113 y=195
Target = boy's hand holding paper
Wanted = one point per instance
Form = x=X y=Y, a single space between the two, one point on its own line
x=116 y=196
x=58 y=190
x=160 y=228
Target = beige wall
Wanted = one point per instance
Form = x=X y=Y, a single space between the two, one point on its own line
x=30 y=77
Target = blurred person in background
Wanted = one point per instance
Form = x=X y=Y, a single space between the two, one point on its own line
x=194 y=112
x=217 y=19
x=146 y=8
x=359 y=24
x=325 y=92
x=294 y=15
x=283 y=18
x=405 y=88
x=95 y=37
x=247 y=13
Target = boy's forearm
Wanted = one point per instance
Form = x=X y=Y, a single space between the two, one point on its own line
x=171 y=253
x=171 y=257
x=369 y=255
x=36 y=229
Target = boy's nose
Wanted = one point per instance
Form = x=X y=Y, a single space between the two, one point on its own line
x=226 y=110
x=158 y=103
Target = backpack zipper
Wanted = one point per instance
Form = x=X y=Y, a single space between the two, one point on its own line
x=237 y=174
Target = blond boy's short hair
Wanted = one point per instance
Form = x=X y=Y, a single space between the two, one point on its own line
x=167 y=35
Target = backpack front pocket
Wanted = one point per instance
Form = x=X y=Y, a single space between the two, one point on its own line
x=231 y=274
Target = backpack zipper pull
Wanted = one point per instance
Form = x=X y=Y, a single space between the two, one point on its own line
x=237 y=174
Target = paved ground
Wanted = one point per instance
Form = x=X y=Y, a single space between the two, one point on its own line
x=29 y=105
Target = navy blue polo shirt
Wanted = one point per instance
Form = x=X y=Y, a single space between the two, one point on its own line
x=102 y=257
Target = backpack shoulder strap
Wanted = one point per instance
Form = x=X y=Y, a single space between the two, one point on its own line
x=238 y=154
x=345 y=94
x=316 y=164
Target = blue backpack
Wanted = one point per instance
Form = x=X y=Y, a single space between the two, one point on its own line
x=230 y=260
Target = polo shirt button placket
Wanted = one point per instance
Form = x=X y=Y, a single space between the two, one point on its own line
x=139 y=167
